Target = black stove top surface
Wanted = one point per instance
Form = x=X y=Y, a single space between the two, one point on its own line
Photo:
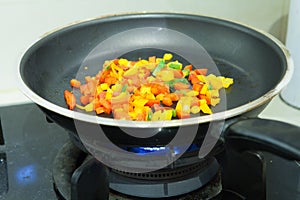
x=29 y=145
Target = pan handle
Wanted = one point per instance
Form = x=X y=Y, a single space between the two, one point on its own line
x=266 y=135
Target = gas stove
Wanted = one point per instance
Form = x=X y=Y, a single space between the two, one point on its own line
x=38 y=161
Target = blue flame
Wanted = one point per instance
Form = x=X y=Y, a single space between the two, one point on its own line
x=145 y=150
x=26 y=174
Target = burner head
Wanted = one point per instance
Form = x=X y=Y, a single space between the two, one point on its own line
x=167 y=182
x=178 y=182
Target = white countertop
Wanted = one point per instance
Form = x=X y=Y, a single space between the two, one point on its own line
x=279 y=110
x=25 y=21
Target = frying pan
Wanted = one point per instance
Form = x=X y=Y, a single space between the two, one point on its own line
x=260 y=65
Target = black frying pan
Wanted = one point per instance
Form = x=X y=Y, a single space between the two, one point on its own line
x=259 y=64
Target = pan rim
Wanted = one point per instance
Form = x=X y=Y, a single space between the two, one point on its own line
x=219 y=116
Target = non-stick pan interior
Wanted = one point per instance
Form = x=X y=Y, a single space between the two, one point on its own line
x=255 y=62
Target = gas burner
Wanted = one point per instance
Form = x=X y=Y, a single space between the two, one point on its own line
x=167 y=182
x=197 y=181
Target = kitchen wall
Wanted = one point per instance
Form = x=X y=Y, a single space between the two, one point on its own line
x=24 y=21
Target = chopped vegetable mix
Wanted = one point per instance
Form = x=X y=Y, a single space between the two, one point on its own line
x=148 y=90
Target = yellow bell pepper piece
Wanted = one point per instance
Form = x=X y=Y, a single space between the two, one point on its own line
x=141 y=63
x=139 y=110
x=117 y=87
x=123 y=62
x=192 y=93
x=186 y=108
x=204 y=89
x=227 y=82
x=160 y=97
x=109 y=93
x=214 y=101
x=133 y=115
x=156 y=116
x=183 y=105
x=195 y=109
x=165 y=75
x=179 y=106
x=158 y=60
x=134 y=97
x=99 y=89
x=151 y=66
x=146 y=110
x=88 y=108
x=214 y=81
x=166 y=115
x=145 y=90
x=186 y=100
x=139 y=102
x=150 y=96
x=212 y=93
x=113 y=73
x=202 y=101
x=201 y=78
x=167 y=56
x=131 y=71
x=205 y=109
x=169 y=114
x=113 y=88
x=104 y=86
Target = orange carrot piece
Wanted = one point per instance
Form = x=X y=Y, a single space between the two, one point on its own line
x=116 y=61
x=202 y=71
x=167 y=101
x=97 y=104
x=177 y=73
x=106 y=105
x=151 y=102
x=70 y=99
x=75 y=83
x=190 y=67
x=103 y=75
x=110 y=80
x=99 y=110
x=173 y=96
x=193 y=77
x=197 y=87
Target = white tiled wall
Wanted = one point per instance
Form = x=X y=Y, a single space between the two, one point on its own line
x=24 y=21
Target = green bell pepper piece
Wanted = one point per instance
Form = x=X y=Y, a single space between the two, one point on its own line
x=160 y=65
